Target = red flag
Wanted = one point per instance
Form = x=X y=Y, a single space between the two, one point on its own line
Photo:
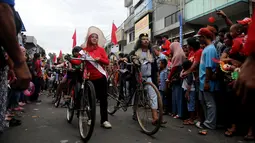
x=114 y=37
x=54 y=59
x=60 y=54
x=250 y=41
x=74 y=38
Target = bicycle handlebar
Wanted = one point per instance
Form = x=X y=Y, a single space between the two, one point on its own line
x=68 y=69
x=83 y=59
x=127 y=63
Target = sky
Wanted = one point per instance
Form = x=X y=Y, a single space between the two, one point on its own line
x=53 y=22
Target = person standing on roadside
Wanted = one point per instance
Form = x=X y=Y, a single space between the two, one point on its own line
x=37 y=76
x=207 y=84
x=10 y=27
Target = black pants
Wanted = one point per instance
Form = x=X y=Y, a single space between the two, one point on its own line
x=37 y=83
x=101 y=93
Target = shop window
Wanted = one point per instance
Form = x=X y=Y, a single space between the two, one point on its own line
x=171 y=19
x=168 y=20
x=131 y=36
x=120 y=47
x=131 y=10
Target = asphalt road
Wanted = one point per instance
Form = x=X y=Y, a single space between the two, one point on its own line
x=43 y=123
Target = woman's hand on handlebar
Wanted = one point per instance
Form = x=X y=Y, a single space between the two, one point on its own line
x=97 y=58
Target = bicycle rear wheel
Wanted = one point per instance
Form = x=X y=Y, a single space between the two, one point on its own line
x=144 y=104
x=87 y=112
x=113 y=94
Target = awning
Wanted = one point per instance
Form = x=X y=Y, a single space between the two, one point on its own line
x=23 y=29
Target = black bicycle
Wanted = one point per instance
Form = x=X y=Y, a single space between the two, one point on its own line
x=123 y=97
x=83 y=100
x=57 y=98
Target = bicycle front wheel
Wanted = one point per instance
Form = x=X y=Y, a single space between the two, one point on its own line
x=87 y=112
x=71 y=105
x=149 y=104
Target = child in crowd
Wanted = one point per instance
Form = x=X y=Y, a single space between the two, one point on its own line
x=188 y=85
x=162 y=81
x=236 y=31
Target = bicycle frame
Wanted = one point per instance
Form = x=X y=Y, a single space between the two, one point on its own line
x=85 y=74
x=139 y=87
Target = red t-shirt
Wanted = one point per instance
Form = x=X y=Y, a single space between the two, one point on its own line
x=191 y=56
x=238 y=45
x=38 y=68
x=197 y=55
x=196 y=59
x=166 y=48
x=96 y=53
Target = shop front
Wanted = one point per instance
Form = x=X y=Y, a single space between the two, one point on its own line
x=143 y=26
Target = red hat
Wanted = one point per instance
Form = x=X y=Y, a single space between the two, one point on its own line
x=204 y=32
x=245 y=21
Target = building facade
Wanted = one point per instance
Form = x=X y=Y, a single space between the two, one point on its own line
x=194 y=15
x=121 y=37
x=129 y=29
x=179 y=19
x=197 y=12
x=32 y=47
x=138 y=21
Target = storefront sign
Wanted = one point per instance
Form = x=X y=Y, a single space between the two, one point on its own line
x=119 y=34
x=142 y=26
x=142 y=9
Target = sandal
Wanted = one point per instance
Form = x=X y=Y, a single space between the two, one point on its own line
x=8 y=118
x=163 y=122
x=10 y=115
x=176 y=117
x=154 y=122
x=188 y=122
x=203 y=132
x=230 y=133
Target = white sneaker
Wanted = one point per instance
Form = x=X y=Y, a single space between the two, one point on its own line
x=89 y=122
x=107 y=125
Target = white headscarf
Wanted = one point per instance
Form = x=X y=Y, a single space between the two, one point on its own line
x=101 y=37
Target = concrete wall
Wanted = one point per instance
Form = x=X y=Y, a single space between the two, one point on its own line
x=163 y=10
x=31 y=39
x=195 y=8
